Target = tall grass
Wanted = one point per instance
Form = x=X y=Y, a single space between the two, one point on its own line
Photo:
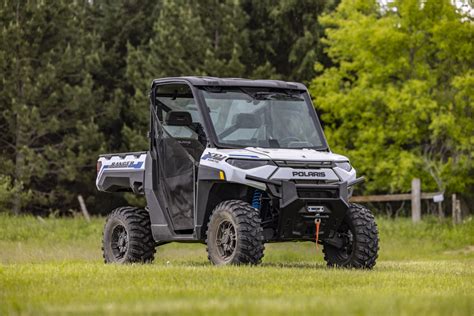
x=27 y=239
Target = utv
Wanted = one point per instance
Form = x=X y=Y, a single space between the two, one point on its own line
x=235 y=164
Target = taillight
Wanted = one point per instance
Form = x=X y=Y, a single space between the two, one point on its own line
x=99 y=165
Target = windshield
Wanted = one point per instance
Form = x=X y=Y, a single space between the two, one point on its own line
x=268 y=118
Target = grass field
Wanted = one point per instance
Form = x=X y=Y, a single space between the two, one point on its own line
x=55 y=267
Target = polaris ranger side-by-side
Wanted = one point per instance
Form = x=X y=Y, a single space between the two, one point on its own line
x=235 y=163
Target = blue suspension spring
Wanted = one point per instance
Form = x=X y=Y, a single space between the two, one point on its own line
x=257 y=199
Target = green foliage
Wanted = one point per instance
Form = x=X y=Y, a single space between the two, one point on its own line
x=6 y=192
x=398 y=100
x=395 y=89
x=286 y=37
x=227 y=39
x=49 y=133
x=188 y=38
x=75 y=77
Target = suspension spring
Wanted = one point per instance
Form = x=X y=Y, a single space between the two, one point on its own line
x=257 y=199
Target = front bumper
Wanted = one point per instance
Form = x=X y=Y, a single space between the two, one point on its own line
x=295 y=221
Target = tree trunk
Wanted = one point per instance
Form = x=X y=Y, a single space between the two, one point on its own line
x=19 y=165
x=19 y=137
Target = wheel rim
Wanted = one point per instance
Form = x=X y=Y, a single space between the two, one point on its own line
x=346 y=234
x=119 y=241
x=226 y=240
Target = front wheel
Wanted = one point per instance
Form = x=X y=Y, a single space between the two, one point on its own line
x=360 y=241
x=127 y=236
x=234 y=234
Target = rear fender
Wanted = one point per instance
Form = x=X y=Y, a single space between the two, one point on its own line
x=121 y=172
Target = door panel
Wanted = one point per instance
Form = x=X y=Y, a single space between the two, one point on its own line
x=177 y=181
x=176 y=145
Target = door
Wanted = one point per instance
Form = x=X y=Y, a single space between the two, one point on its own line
x=178 y=146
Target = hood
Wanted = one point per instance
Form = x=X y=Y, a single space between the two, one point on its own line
x=291 y=154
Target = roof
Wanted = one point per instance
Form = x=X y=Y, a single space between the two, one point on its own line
x=234 y=82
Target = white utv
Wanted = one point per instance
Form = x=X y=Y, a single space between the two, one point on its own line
x=235 y=163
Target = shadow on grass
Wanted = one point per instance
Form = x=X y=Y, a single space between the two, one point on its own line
x=296 y=265
x=285 y=265
x=183 y=263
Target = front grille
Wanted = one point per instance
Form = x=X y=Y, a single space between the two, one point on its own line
x=304 y=164
x=309 y=193
x=313 y=182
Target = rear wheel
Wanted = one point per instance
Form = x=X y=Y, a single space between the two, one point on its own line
x=360 y=241
x=234 y=234
x=127 y=236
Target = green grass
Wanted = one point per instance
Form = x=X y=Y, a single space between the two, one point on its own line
x=55 y=267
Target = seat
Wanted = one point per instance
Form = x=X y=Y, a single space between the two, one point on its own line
x=192 y=144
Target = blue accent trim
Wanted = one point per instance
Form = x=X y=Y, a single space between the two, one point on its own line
x=247 y=156
x=137 y=165
x=257 y=199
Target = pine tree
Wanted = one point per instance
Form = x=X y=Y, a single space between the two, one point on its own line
x=119 y=25
x=285 y=37
x=49 y=133
x=225 y=26
x=179 y=46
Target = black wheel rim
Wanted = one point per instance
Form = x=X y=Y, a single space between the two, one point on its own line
x=346 y=234
x=119 y=241
x=226 y=240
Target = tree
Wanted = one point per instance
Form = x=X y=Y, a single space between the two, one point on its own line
x=285 y=37
x=189 y=38
x=119 y=25
x=225 y=23
x=48 y=128
x=399 y=100
x=178 y=47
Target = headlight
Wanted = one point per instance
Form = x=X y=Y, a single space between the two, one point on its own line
x=248 y=163
x=344 y=165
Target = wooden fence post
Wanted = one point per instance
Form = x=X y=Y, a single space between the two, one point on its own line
x=440 y=210
x=457 y=217
x=453 y=206
x=416 y=200
x=458 y=211
x=83 y=208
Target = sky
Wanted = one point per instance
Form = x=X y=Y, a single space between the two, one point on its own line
x=465 y=6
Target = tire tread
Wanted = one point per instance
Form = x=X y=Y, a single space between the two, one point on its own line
x=366 y=238
x=141 y=242
x=249 y=228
